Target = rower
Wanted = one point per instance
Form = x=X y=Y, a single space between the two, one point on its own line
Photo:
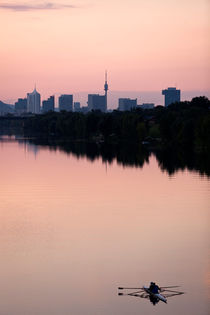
x=154 y=288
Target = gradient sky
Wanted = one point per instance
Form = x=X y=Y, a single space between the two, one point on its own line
x=65 y=46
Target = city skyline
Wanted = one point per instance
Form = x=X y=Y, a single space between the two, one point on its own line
x=67 y=45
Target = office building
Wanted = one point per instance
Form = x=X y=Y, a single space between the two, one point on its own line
x=48 y=105
x=125 y=104
x=33 y=102
x=21 y=106
x=97 y=102
x=65 y=102
x=172 y=95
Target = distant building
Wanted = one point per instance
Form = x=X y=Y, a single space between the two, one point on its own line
x=147 y=105
x=126 y=104
x=77 y=107
x=6 y=109
x=65 y=102
x=33 y=102
x=172 y=95
x=97 y=102
x=49 y=104
x=21 y=106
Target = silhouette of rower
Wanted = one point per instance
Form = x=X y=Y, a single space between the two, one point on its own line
x=154 y=288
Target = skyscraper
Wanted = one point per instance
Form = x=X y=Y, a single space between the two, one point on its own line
x=97 y=102
x=21 y=106
x=65 y=102
x=126 y=104
x=49 y=104
x=33 y=102
x=172 y=95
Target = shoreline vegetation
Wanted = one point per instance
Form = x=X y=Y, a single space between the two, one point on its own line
x=178 y=135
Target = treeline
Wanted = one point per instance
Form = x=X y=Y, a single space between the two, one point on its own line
x=11 y=125
x=183 y=125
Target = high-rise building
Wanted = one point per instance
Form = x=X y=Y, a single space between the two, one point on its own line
x=21 y=106
x=172 y=95
x=126 y=104
x=33 y=102
x=49 y=104
x=65 y=102
x=97 y=102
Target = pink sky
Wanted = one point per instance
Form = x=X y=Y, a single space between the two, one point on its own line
x=65 y=46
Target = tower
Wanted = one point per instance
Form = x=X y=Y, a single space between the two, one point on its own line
x=106 y=88
x=33 y=102
x=172 y=95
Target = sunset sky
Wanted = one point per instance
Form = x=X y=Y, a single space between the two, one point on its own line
x=64 y=46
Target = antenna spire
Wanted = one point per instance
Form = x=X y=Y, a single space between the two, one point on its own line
x=106 y=84
x=106 y=87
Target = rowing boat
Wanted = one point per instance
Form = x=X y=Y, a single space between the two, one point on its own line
x=158 y=296
x=146 y=293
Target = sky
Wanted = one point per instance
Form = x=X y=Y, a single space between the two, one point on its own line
x=65 y=46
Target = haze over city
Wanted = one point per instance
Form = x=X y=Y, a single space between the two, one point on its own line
x=65 y=46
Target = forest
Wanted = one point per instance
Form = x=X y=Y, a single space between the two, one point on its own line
x=183 y=125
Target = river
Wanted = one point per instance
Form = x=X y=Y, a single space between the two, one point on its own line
x=72 y=230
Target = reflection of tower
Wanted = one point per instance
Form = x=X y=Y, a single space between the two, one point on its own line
x=106 y=88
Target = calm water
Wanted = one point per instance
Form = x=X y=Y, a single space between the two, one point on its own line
x=72 y=231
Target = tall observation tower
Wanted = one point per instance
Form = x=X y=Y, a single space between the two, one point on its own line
x=106 y=88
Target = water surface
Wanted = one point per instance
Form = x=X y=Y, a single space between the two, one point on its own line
x=72 y=231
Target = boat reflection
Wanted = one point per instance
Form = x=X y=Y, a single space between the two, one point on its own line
x=144 y=293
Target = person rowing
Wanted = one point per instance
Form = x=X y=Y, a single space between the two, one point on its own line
x=154 y=288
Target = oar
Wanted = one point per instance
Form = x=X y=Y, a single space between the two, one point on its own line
x=173 y=286
x=174 y=291
x=131 y=293
x=119 y=288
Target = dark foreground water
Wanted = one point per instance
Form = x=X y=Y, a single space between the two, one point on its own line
x=72 y=231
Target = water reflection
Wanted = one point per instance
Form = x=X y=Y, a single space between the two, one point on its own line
x=169 y=159
x=71 y=232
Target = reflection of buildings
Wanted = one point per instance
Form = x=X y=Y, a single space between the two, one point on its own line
x=33 y=102
x=21 y=106
x=49 y=104
x=172 y=95
x=65 y=102
x=33 y=148
x=127 y=104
